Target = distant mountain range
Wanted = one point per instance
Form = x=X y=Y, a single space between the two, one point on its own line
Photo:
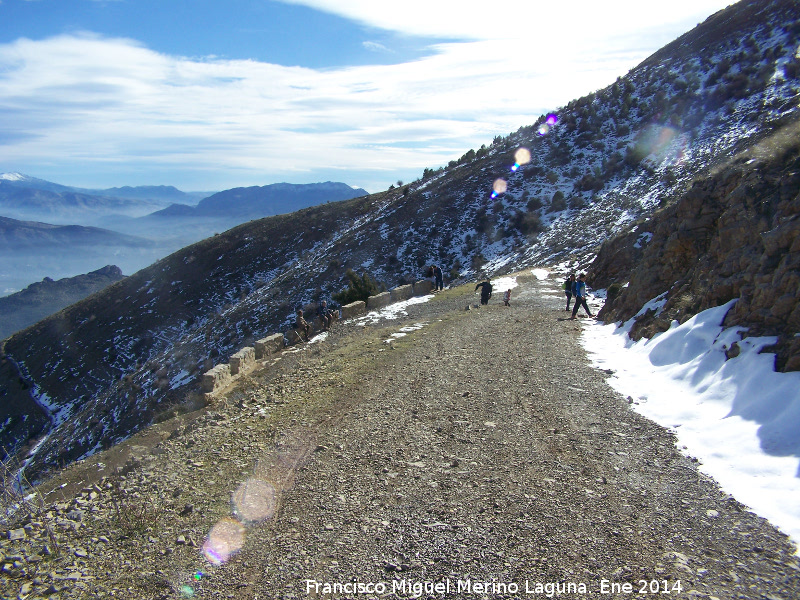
x=255 y=202
x=158 y=194
x=53 y=230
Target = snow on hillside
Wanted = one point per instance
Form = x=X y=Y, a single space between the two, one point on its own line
x=736 y=415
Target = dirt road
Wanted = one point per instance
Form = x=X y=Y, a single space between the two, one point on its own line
x=477 y=456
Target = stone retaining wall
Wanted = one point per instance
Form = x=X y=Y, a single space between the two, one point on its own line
x=354 y=308
x=246 y=359
x=243 y=360
x=269 y=345
x=403 y=292
x=422 y=288
x=379 y=300
x=216 y=378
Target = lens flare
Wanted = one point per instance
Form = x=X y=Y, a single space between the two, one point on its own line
x=500 y=186
x=522 y=157
x=544 y=129
x=186 y=591
x=225 y=539
x=552 y=119
x=254 y=500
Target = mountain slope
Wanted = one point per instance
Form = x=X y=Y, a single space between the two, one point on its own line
x=106 y=366
x=39 y=300
x=19 y=234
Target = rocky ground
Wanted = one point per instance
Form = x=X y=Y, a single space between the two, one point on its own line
x=477 y=456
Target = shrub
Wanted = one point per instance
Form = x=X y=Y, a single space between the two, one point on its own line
x=526 y=222
x=358 y=288
x=534 y=204
x=558 y=202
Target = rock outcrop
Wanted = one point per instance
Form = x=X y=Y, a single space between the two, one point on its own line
x=733 y=235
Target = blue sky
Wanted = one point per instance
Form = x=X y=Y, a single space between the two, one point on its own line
x=209 y=95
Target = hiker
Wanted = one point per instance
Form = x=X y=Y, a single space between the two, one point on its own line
x=507 y=297
x=437 y=274
x=580 y=296
x=325 y=314
x=486 y=291
x=569 y=288
x=301 y=325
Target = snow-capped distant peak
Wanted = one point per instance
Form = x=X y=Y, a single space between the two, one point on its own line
x=13 y=176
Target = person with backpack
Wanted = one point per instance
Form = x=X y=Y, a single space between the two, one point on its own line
x=569 y=287
x=580 y=296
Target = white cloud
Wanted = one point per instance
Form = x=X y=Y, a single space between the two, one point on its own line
x=375 y=47
x=518 y=19
x=105 y=103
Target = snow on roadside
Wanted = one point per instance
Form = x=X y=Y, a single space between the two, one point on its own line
x=540 y=274
x=738 y=416
x=391 y=312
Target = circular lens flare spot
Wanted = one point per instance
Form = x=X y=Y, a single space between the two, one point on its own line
x=522 y=157
x=544 y=129
x=552 y=119
x=186 y=591
x=254 y=500
x=225 y=539
x=500 y=186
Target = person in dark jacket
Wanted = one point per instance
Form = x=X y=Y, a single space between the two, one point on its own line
x=439 y=278
x=486 y=291
x=569 y=287
x=580 y=296
x=325 y=314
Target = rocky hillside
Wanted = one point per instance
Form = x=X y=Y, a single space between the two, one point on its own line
x=734 y=235
x=549 y=193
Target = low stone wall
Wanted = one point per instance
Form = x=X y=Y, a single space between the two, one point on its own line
x=379 y=300
x=422 y=288
x=216 y=378
x=293 y=337
x=403 y=292
x=243 y=360
x=354 y=308
x=269 y=345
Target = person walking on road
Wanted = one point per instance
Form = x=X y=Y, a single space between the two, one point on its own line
x=486 y=291
x=580 y=296
x=569 y=288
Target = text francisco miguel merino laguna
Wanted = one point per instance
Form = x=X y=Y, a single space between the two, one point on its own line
x=415 y=589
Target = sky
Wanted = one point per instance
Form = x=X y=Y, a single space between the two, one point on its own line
x=208 y=95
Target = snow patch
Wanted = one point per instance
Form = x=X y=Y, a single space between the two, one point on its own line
x=737 y=415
